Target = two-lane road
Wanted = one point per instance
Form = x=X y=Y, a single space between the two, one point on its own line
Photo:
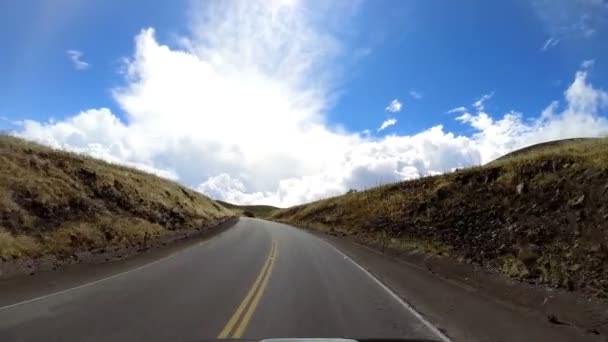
x=259 y=279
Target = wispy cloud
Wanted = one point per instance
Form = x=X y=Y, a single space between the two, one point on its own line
x=457 y=110
x=387 y=123
x=11 y=121
x=416 y=95
x=76 y=58
x=576 y=19
x=550 y=43
x=394 y=106
x=480 y=103
x=588 y=64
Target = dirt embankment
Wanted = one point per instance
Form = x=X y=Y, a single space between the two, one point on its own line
x=540 y=216
x=58 y=205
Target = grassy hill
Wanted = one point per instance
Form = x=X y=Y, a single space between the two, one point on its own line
x=538 y=215
x=250 y=210
x=58 y=203
x=554 y=145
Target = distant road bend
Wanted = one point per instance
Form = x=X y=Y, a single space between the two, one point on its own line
x=259 y=279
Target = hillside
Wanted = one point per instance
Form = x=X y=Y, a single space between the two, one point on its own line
x=553 y=144
x=56 y=203
x=539 y=215
x=250 y=210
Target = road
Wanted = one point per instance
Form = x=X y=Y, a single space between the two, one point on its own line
x=258 y=279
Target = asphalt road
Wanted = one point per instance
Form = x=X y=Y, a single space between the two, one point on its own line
x=256 y=280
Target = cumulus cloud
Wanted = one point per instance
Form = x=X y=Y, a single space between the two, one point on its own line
x=387 y=123
x=76 y=58
x=237 y=111
x=582 y=116
x=98 y=133
x=224 y=186
x=394 y=106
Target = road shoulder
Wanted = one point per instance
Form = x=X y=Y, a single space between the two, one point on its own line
x=463 y=310
x=26 y=287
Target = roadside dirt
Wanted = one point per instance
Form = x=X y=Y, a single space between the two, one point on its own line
x=169 y=241
x=56 y=205
x=529 y=231
x=471 y=303
x=539 y=218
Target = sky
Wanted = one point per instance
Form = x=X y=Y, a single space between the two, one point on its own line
x=283 y=102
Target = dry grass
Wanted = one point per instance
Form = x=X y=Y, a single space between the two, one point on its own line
x=386 y=200
x=580 y=153
x=18 y=246
x=56 y=202
x=553 y=231
x=261 y=211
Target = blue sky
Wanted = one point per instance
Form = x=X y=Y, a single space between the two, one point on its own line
x=304 y=86
x=37 y=34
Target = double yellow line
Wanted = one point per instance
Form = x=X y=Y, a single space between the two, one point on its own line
x=251 y=301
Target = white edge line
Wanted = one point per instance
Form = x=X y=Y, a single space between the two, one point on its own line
x=413 y=311
x=98 y=280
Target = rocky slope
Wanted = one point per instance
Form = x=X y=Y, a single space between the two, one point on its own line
x=55 y=203
x=540 y=216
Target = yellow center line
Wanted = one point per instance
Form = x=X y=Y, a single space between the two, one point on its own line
x=255 y=292
x=256 y=300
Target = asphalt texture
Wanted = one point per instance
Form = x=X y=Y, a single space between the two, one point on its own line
x=256 y=280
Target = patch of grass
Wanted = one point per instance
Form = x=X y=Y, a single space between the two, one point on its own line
x=513 y=267
x=132 y=230
x=18 y=246
x=72 y=236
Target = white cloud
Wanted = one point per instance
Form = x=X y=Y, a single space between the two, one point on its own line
x=582 y=116
x=76 y=58
x=394 y=106
x=96 y=132
x=550 y=43
x=387 y=123
x=588 y=64
x=457 y=110
x=238 y=112
x=224 y=186
x=359 y=162
x=416 y=95
x=583 y=98
x=480 y=103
